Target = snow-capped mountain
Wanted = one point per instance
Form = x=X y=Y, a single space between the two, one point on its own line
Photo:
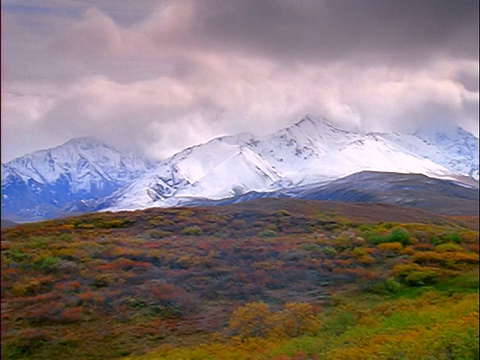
x=220 y=168
x=310 y=151
x=313 y=149
x=457 y=151
x=41 y=183
x=85 y=174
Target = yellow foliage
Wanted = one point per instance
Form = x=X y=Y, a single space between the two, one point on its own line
x=256 y=320
x=394 y=246
x=366 y=260
x=409 y=250
x=300 y=319
x=250 y=320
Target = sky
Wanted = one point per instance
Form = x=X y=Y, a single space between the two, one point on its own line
x=158 y=76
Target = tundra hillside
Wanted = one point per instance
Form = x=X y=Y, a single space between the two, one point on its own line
x=266 y=279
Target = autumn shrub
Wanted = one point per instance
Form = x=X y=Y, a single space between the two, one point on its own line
x=257 y=320
x=448 y=247
x=473 y=247
x=238 y=224
x=408 y=250
x=103 y=280
x=46 y=313
x=191 y=231
x=156 y=221
x=83 y=225
x=70 y=315
x=392 y=286
x=159 y=234
x=186 y=261
x=120 y=263
x=329 y=250
x=421 y=235
x=282 y=213
x=267 y=233
x=294 y=320
x=422 y=278
x=394 y=247
x=449 y=259
x=27 y=344
x=469 y=236
x=366 y=259
x=68 y=286
x=24 y=289
x=358 y=252
x=387 y=225
x=250 y=320
x=311 y=247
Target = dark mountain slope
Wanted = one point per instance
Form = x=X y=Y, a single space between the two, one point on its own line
x=413 y=190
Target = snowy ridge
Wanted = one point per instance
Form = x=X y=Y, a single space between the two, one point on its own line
x=311 y=151
x=81 y=169
x=86 y=162
x=458 y=152
x=85 y=174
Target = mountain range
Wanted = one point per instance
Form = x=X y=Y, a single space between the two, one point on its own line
x=39 y=185
x=308 y=159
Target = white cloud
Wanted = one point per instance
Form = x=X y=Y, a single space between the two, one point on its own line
x=152 y=85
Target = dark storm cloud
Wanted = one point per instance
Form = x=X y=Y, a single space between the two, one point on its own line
x=331 y=29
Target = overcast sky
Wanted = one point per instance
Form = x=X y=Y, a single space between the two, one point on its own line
x=158 y=76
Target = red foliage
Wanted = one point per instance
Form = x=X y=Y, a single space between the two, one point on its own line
x=68 y=286
x=283 y=247
x=166 y=292
x=202 y=245
x=71 y=315
x=152 y=245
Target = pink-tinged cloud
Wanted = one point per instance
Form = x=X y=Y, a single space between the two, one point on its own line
x=182 y=72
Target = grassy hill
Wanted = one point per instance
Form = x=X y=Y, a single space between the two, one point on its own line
x=267 y=279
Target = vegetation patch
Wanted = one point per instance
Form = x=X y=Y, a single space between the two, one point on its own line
x=239 y=282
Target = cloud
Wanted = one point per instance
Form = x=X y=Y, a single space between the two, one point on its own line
x=185 y=71
x=327 y=30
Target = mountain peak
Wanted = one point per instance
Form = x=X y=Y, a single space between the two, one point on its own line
x=41 y=183
x=85 y=141
x=309 y=120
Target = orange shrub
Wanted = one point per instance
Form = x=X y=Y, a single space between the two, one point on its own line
x=408 y=250
x=366 y=260
x=424 y=247
x=442 y=258
x=395 y=247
